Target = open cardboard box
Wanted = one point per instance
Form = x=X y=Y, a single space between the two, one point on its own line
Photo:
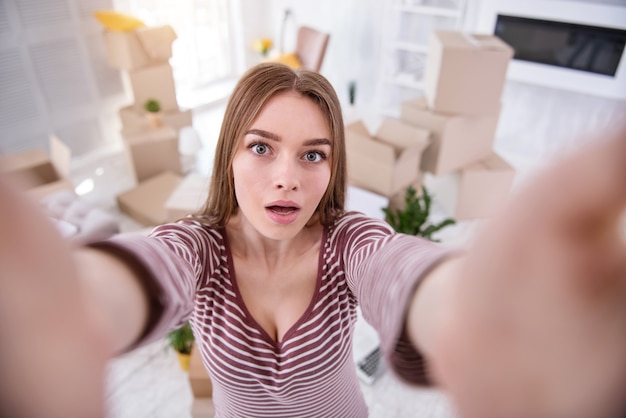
x=477 y=191
x=146 y=202
x=38 y=173
x=139 y=48
x=388 y=161
x=456 y=140
x=465 y=73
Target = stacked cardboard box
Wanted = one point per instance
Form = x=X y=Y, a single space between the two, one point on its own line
x=464 y=79
x=143 y=57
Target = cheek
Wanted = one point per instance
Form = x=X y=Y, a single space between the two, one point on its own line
x=320 y=182
x=241 y=179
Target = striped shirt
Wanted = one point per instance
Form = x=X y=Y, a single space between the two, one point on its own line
x=310 y=372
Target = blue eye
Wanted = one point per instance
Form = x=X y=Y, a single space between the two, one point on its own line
x=259 y=148
x=314 y=156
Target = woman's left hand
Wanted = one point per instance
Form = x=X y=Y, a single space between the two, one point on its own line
x=536 y=323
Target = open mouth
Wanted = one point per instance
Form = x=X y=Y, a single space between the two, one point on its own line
x=283 y=210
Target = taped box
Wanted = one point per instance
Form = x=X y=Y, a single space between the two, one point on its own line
x=133 y=119
x=465 y=73
x=397 y=202
x=146 y=202
x=188 y=197
x=36 y=172
x=153 y=151
x=456 y=140
x=199 y=379
x=154 y=82
x=477 y=191
x=388 y=161
x=139 y=48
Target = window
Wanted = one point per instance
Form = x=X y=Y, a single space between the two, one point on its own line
x=203 y=52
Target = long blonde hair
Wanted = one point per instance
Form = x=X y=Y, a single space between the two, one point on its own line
x=254 y=89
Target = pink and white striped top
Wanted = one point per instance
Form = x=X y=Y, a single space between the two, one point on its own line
x=311 y=372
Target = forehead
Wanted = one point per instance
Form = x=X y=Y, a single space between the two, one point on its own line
x=293 y=113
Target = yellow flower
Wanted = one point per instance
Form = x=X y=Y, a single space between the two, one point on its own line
x=262 y=46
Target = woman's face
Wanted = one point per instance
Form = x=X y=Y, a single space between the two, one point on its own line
x=282 y=166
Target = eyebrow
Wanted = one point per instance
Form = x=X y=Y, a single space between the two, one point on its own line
x=274 y=137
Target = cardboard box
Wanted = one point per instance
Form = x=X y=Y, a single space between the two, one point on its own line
x=397 y=201
x=146 y=202
x=139 y=48
x=153 y=151
x=456 y=140
x=38 y=173
x=477 y=191
x=188 y=197
x=154 y=82
x=134 y=120
x=199 y=379
x=387 y=161
x=465 y=73
x=157 y=41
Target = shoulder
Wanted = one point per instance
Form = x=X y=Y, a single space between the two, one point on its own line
x=357 y=220
x=350 y=227
x=190 y=232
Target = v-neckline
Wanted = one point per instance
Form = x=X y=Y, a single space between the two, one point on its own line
x=242 y=304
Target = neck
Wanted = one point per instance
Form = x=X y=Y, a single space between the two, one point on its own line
x=247 y=242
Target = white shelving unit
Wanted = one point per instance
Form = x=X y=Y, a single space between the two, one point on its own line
x=408 y=27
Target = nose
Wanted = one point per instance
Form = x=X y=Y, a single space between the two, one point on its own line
x=286 y=176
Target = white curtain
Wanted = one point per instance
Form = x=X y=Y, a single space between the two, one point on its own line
x=203 y=52
x=54 y=76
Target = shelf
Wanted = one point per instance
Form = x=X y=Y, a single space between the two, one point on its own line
x=410 y=25
x=430 y=10
x=405 y=80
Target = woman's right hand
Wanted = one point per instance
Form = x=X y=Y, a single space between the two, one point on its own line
x=53 y=347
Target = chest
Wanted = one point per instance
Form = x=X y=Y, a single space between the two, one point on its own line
x=277 y=299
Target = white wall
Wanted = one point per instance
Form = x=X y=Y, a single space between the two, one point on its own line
x=54 y=76
x=536 y=122
x=355 y=28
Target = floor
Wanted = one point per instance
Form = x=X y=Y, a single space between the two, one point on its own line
x=149 y=382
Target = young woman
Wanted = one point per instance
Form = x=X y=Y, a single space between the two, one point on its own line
x=271 y=271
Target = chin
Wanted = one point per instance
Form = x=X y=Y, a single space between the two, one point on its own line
x=281 y=232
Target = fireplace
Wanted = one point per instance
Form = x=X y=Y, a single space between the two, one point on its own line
x=574 y=45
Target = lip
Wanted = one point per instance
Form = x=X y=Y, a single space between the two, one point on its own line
x=279 y=217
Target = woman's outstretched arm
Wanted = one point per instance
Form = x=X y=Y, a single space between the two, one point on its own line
x=531 y=321
x=115 y=289
x=63 y=314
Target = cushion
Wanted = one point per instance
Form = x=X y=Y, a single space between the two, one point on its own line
x=290 y=60
x=116 y=21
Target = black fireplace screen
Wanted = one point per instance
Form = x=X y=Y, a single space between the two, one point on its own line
x=587 y=48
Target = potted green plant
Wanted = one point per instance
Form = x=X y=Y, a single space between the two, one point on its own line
x=413 y=218
x=181 y=340
x=153 y=112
